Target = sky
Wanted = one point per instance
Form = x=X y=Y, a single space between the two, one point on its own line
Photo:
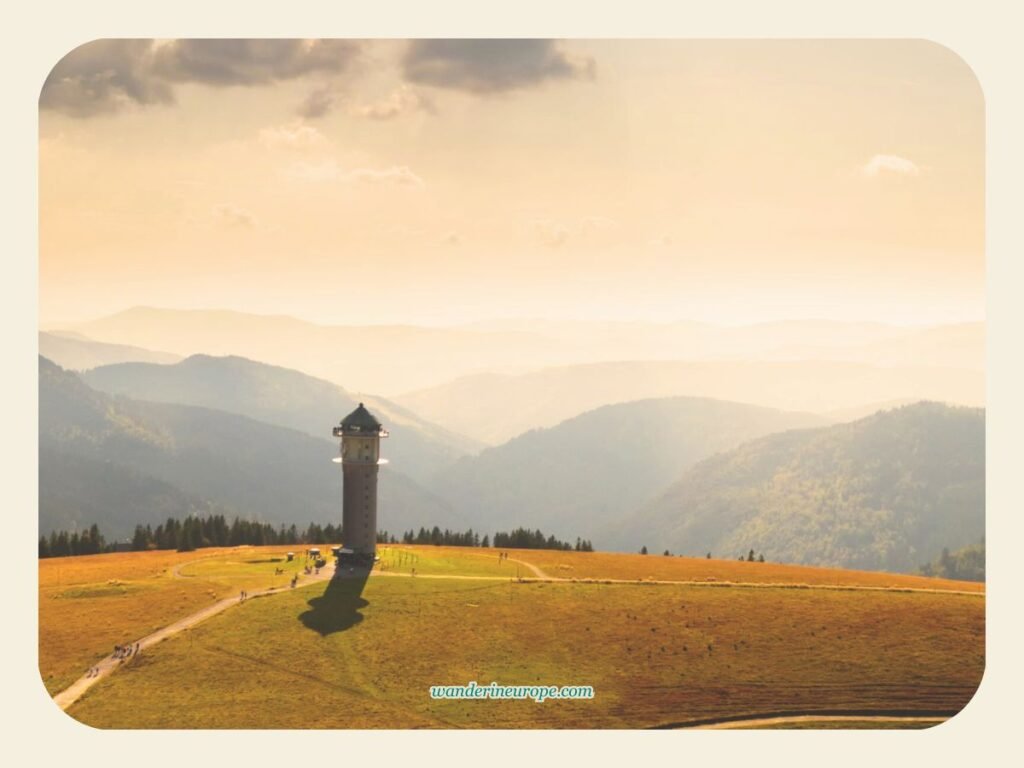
x=451 y=181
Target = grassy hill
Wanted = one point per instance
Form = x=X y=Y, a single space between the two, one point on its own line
x=79 y=353
x=710 y=639
x=495 y=407
x=283 y=397
x=130 y=461
x=575 y=478
x=887 y=492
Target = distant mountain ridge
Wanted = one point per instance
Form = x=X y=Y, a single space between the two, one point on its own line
x=130 y=461
x=495 y=407
x=396 y=358
x=79 y=353
x=284 y=397
x=887 y=492
x=692 y=475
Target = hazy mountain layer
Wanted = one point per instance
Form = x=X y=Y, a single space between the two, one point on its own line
x=401 y=358
x=493 y=407
x=78 y=353
x=575 y=478
x=888 y=492
x=284 y=397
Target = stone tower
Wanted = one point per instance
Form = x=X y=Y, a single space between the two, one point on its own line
x=360 y=435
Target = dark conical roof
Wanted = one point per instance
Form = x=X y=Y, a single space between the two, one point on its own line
x=362 y=420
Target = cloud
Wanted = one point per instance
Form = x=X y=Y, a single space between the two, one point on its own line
x=880 y=164
x=231 y=216
x=401 y=101
x=250 y=62
x=317 y=104
x=396 y=174
x=102 y=77
x=490 y=66
x=105 y=76
x=330 y=170
x=294 y=135
x=550 y=233
x=598 y=224
x=555 y=234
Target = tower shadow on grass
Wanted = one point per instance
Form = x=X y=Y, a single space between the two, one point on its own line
x=337 y=609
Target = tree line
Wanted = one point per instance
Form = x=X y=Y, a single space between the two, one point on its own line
x=520 y=538
x=967 y=564
x=446 y=538
x=196 y=532
x=186 y=535
x=64 y=544
x=524 y=538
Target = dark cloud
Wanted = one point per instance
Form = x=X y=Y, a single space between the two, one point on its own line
x=317 y=104
x=490 y=66
x=106 y=75
x=103 y=76
x=250 y=62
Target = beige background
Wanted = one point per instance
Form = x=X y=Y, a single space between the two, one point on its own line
x=987 y=39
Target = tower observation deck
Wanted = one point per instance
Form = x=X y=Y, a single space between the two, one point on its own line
x=360 y=434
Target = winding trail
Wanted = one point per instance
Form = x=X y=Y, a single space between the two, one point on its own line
x=535 y=570
x=108 y=665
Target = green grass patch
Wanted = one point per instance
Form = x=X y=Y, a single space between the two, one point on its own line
x=112 y=588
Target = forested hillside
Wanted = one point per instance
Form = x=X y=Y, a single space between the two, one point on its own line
x=887 y=492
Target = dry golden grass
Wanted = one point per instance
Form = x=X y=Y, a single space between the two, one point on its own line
x=430 y=560
x=655 y=654
x=88 y=604
x=604 y=565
